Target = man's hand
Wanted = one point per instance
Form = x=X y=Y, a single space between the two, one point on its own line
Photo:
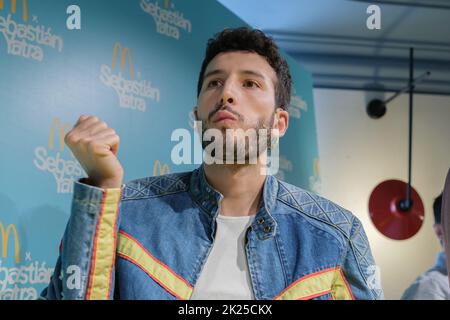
x=95 y=146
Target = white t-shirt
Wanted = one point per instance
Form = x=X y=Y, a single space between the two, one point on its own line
x=225 y=275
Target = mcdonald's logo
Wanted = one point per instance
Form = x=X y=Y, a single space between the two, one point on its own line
x=316 y=167
x=124 y=53
x=14 y=7
x=5 y=239
x=62 y=132
x=159 y=170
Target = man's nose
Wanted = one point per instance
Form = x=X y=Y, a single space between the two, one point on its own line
x=228 y=94
x=227 y=99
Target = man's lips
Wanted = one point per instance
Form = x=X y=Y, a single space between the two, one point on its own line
x=223 y=115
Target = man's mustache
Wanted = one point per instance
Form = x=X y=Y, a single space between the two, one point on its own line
x=220 y=107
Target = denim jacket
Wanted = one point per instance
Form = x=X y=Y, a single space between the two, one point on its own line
x=431 y=285
x=151 y=238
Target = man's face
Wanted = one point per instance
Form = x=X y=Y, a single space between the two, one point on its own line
x=238 y=92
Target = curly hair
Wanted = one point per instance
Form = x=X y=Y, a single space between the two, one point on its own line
x=251 y=40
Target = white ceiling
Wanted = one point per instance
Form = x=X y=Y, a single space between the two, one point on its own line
x=331 y=39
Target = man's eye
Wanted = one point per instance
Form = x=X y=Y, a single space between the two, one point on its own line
x=213 y=83
x=251 y=84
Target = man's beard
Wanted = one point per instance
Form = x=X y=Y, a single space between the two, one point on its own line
x=233 y=145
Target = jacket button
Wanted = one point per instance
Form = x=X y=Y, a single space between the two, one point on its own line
x=261 y=221
x=267 y=229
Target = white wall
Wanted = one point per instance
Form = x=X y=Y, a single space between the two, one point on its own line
x=357 y=153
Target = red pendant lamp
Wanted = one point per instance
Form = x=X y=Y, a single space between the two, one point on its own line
x=395 y=207
x=386 y=213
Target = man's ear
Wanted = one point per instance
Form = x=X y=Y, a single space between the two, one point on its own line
x=195 y=112
x=281 y=121
x=439 y=231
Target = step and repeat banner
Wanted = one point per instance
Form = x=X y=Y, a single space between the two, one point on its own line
x=134 y=64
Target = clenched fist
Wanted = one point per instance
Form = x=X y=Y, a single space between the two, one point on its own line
x=95 y=146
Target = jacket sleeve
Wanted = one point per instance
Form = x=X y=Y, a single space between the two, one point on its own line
x=360 y=273
x=85 y=266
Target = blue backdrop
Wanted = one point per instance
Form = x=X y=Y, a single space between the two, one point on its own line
x=135 y=64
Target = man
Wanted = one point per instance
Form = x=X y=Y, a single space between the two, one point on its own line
x=433 y=284
x=222 y=231
x=445 y=215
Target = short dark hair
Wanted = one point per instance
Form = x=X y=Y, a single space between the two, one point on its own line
x=251 y=40
x=437 y=204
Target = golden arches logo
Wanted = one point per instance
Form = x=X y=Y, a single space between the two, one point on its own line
x=123 y=53
x=159 y=170
x=60 y=129
x=5 y=239
x=316 y=167
x=14 y=7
